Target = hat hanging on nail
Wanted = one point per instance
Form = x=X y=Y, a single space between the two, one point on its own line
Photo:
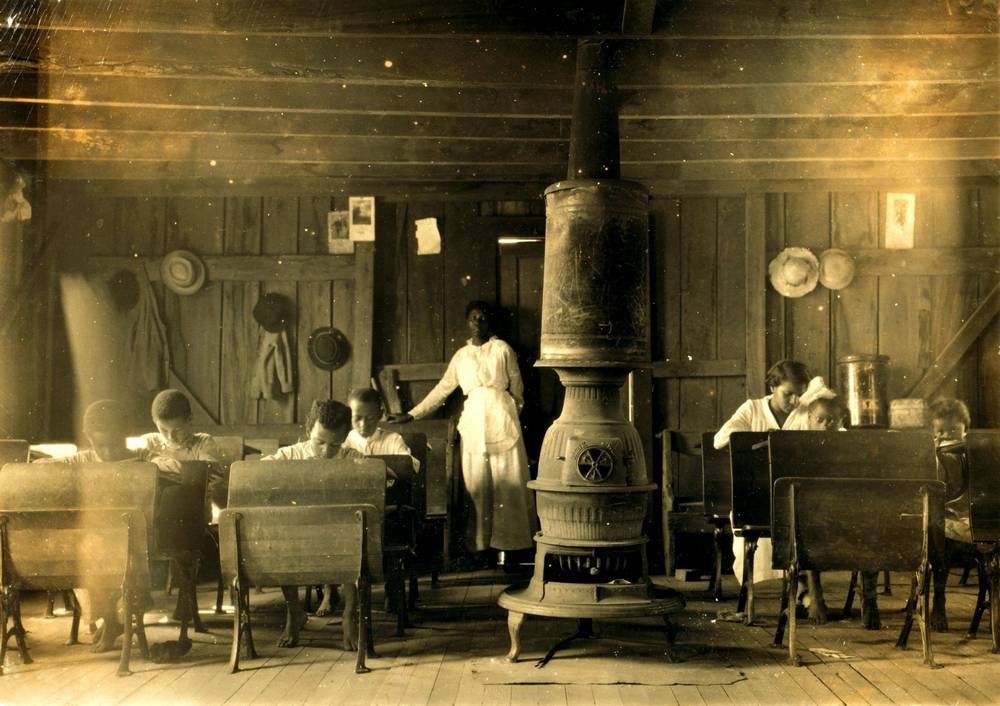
x=272 y=312
x=182 y=271
x=328 y=348
x=836 y=268
x=794 y=272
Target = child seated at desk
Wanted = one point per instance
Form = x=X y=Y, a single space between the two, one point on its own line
x=105 y=424
x=328 y=424
x=949 y=420
x=823 y=414
x=368 y=440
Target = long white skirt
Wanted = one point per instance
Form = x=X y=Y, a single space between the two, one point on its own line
x=762 y=570
x=503 y=509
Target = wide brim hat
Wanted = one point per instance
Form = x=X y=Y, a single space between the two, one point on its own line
x=794 y=272
x=182 y=272
x=836 y=268
x=272 y=312
x=328 y=348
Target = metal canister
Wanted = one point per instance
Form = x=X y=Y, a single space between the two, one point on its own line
x=596 y=289
x=862 y=380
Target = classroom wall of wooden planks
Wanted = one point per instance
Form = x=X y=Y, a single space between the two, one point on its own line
x=699 y=291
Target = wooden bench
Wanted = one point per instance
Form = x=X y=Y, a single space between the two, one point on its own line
x=888 y=526
x=983 y=453
x=296 y=523
x=69 y=526
x=717 y=493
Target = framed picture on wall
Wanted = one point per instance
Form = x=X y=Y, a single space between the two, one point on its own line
x=338 y=229
x=362 y=217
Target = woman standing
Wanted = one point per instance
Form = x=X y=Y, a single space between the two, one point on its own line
x=494 y=462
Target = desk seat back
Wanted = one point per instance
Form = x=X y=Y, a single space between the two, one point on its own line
x=853 y=523
x=859 y=453
x=717 y=477
x=300 y=545
x=311 y=482
x=13 y=451
x=751 y=480
x=983 y=449
x=66 y=524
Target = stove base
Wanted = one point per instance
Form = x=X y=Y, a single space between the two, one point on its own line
x=521 y=601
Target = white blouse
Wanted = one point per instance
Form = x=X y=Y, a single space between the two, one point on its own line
x=491 y=381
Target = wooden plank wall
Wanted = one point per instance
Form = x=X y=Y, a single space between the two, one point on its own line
x=212 y=334
x=699 y=296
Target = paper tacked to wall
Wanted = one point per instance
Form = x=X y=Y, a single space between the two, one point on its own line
x=428 y=237
x=900 y=216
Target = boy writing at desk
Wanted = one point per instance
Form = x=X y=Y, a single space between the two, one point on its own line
x=368 y=440
x=328 y=424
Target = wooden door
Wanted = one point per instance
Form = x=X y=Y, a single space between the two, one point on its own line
x=520 y=297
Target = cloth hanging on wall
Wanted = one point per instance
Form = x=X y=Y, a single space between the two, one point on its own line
x=273 y=371
x=148 y=358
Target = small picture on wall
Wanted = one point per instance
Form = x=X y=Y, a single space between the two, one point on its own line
x=338 y=230
x=900 y=216
x=362 y=213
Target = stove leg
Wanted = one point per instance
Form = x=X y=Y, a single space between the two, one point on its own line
x=514 y=622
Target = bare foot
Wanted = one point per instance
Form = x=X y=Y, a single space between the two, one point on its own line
x=939 y=618
x=324 y=608
x=295 y=618
x=818 y=613
x=104 y=638
x=869 y=615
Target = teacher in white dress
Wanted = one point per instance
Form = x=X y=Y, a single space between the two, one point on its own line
x=494 y=462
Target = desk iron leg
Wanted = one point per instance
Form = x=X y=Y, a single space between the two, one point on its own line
x=793 y=579
x=717 y=574
x=886 y=584
x=924 y=587
x=994 y=575
x=851 y=589
x=74 y=628
x=779 y=633
x=748 y=577
x=363 y=584
x=127 y=591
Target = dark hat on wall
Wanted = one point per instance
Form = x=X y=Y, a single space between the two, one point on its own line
x=182 y=271
x=328 y=348
x=272 y=312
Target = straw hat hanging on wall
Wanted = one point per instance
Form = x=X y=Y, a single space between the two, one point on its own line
x=794 y=272
x=183 y=272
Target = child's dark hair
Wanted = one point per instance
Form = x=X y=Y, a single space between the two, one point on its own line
x=171 y=404
x=105 y=417
x=834 y=404
x=479 y=305
x=950 y=408
x=331 y=414
x=364 y=395
x=787 y=371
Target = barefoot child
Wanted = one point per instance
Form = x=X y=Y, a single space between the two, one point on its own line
x=949 y=420
x=824 y=414
x=175 y=441
x=105 y=425
x=328 y=424
x=368 y=440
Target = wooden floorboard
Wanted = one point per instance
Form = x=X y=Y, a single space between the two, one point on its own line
x=460 y=622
